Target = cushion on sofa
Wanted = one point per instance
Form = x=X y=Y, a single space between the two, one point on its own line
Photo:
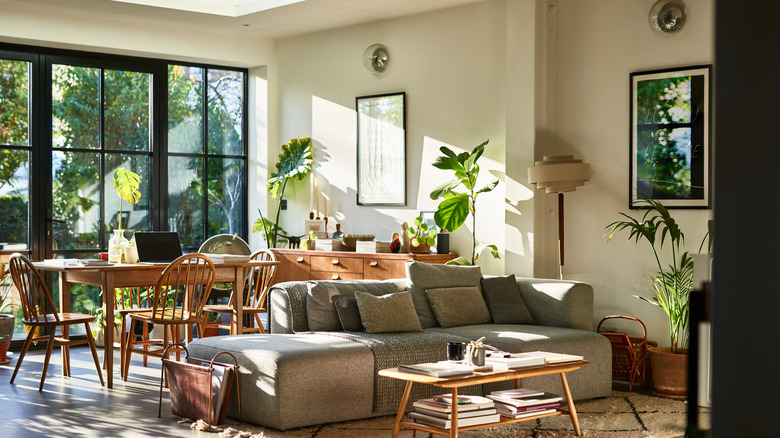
x=388 y=313
x=456 y=306
x=423 y=276
x=504 y=300
x=349 y=314
x=321 y=313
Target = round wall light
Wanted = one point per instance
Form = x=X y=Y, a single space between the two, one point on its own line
x=667 y=17
x=376 y=59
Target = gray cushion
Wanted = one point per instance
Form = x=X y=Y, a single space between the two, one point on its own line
x=456 y=306
x=424 y=276
x=349 y=314
x=320 y=311
x=504 y=301
x=388 y=313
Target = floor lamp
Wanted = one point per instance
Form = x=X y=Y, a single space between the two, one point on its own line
x=559 y=174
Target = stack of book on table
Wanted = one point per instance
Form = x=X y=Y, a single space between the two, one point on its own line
x=330 y=245
x=522 y=402
x=438 y=369
x=372 y=246
x=511 y=361
x=437 y=411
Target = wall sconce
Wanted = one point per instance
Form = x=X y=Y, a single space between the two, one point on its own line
x=376 y=59
x=667 y=17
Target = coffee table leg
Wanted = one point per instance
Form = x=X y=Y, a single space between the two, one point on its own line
x=454 y=428
x=570 y=403
x=402 y=409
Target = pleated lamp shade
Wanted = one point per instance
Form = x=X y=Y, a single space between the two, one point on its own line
x=559 y=173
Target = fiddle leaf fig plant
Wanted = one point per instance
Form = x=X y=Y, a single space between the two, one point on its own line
x=456 y=207
x=295 y=161
x=126 y=184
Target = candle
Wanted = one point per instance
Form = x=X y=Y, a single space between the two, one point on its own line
x=311 y=193
x=316 y=191
x=325 y=201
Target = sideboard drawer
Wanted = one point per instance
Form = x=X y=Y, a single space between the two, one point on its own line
x=337 y=264
x=334 y=275
x=383 y=269
x=292 y=267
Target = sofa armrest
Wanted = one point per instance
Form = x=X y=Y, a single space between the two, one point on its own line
x=558 y=303
x=287 y=308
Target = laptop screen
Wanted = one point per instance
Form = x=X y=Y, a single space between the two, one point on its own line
x=157 y=246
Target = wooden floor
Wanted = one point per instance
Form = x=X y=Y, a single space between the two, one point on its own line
x=78 y=406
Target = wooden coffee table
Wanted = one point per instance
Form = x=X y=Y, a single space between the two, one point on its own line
x=479 y=378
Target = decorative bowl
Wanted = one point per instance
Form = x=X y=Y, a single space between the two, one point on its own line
x=350 y=240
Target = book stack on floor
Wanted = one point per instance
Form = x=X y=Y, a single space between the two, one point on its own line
x=437 y=411
x=522 y=402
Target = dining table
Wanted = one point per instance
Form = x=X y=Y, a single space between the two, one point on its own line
x=119 y=275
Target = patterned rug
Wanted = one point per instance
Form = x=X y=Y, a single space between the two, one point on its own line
x=623 y=415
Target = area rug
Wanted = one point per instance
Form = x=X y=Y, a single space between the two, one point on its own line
x=623 y=415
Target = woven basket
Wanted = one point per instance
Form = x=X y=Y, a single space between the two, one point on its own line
x=630 y=361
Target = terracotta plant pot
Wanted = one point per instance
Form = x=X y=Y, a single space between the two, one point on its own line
x=421 y=249
x=3 y=352
x=670 y=373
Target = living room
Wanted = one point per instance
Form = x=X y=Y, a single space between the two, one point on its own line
x=551 y=79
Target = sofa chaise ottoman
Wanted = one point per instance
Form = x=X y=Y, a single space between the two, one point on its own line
x=310 y=370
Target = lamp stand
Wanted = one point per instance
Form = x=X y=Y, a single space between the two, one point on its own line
x=560 y=234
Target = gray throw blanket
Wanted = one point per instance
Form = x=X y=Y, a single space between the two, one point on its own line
x=393 y=349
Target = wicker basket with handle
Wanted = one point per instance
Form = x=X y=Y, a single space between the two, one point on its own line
x=630 y=361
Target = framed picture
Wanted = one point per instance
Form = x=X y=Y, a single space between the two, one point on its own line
x=427 y=218
x=316 y=225
x=381 y=149
x=670 y=137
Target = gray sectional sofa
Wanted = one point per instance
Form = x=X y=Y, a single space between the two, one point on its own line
x=308 y=370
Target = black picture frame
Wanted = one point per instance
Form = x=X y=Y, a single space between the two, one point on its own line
x=381 y=149
x=670 y=135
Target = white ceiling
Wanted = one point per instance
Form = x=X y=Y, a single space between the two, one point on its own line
x=291 y=18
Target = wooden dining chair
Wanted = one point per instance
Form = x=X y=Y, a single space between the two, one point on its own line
x=178 y=300
x=40 y=313
x=258 y=281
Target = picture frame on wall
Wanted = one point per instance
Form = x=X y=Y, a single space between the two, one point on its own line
x=671 y=112
x=381 y=149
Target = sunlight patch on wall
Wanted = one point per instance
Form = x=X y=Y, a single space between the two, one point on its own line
x=334 y=137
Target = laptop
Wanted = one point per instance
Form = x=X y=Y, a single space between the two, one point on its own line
x=157 y=247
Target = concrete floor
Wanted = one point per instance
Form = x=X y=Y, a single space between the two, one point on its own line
x=78 y=406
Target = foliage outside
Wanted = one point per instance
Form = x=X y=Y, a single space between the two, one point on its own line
x=453 y=211
x=670 y=286
x=420 y=234
x=295 y=161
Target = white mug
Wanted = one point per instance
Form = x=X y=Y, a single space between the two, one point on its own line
x=131 y=254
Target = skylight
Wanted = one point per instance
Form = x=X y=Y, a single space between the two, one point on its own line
x=227 y=8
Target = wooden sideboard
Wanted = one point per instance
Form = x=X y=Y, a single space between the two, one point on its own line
x=301 y=264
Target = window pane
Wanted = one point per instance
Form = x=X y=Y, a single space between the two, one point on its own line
x=126 y=107
x=14 y=102
x=75 y=198
x=14 y=198
x=225 y=191
x=226 y=90
x=75 y=113
x=185 y=199
x=134 y=216
x=185 y=114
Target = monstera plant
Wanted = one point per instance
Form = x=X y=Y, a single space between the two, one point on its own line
x=295 y=161
x=454 y=210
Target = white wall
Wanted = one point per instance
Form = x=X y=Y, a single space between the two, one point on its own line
x=600 y=42
x=452 y=66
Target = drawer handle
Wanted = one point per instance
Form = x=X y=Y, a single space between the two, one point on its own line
x=299 y=260
x=334 y=262
x=335 y=277
x=373 y=263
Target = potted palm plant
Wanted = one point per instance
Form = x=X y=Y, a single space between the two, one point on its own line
x=670 y=286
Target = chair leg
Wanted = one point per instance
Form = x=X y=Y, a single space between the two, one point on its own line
x=65 y=331
x=259 y=323
x=91 y=341
x=128 y=349
x=49 y=348
x=27 y=343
